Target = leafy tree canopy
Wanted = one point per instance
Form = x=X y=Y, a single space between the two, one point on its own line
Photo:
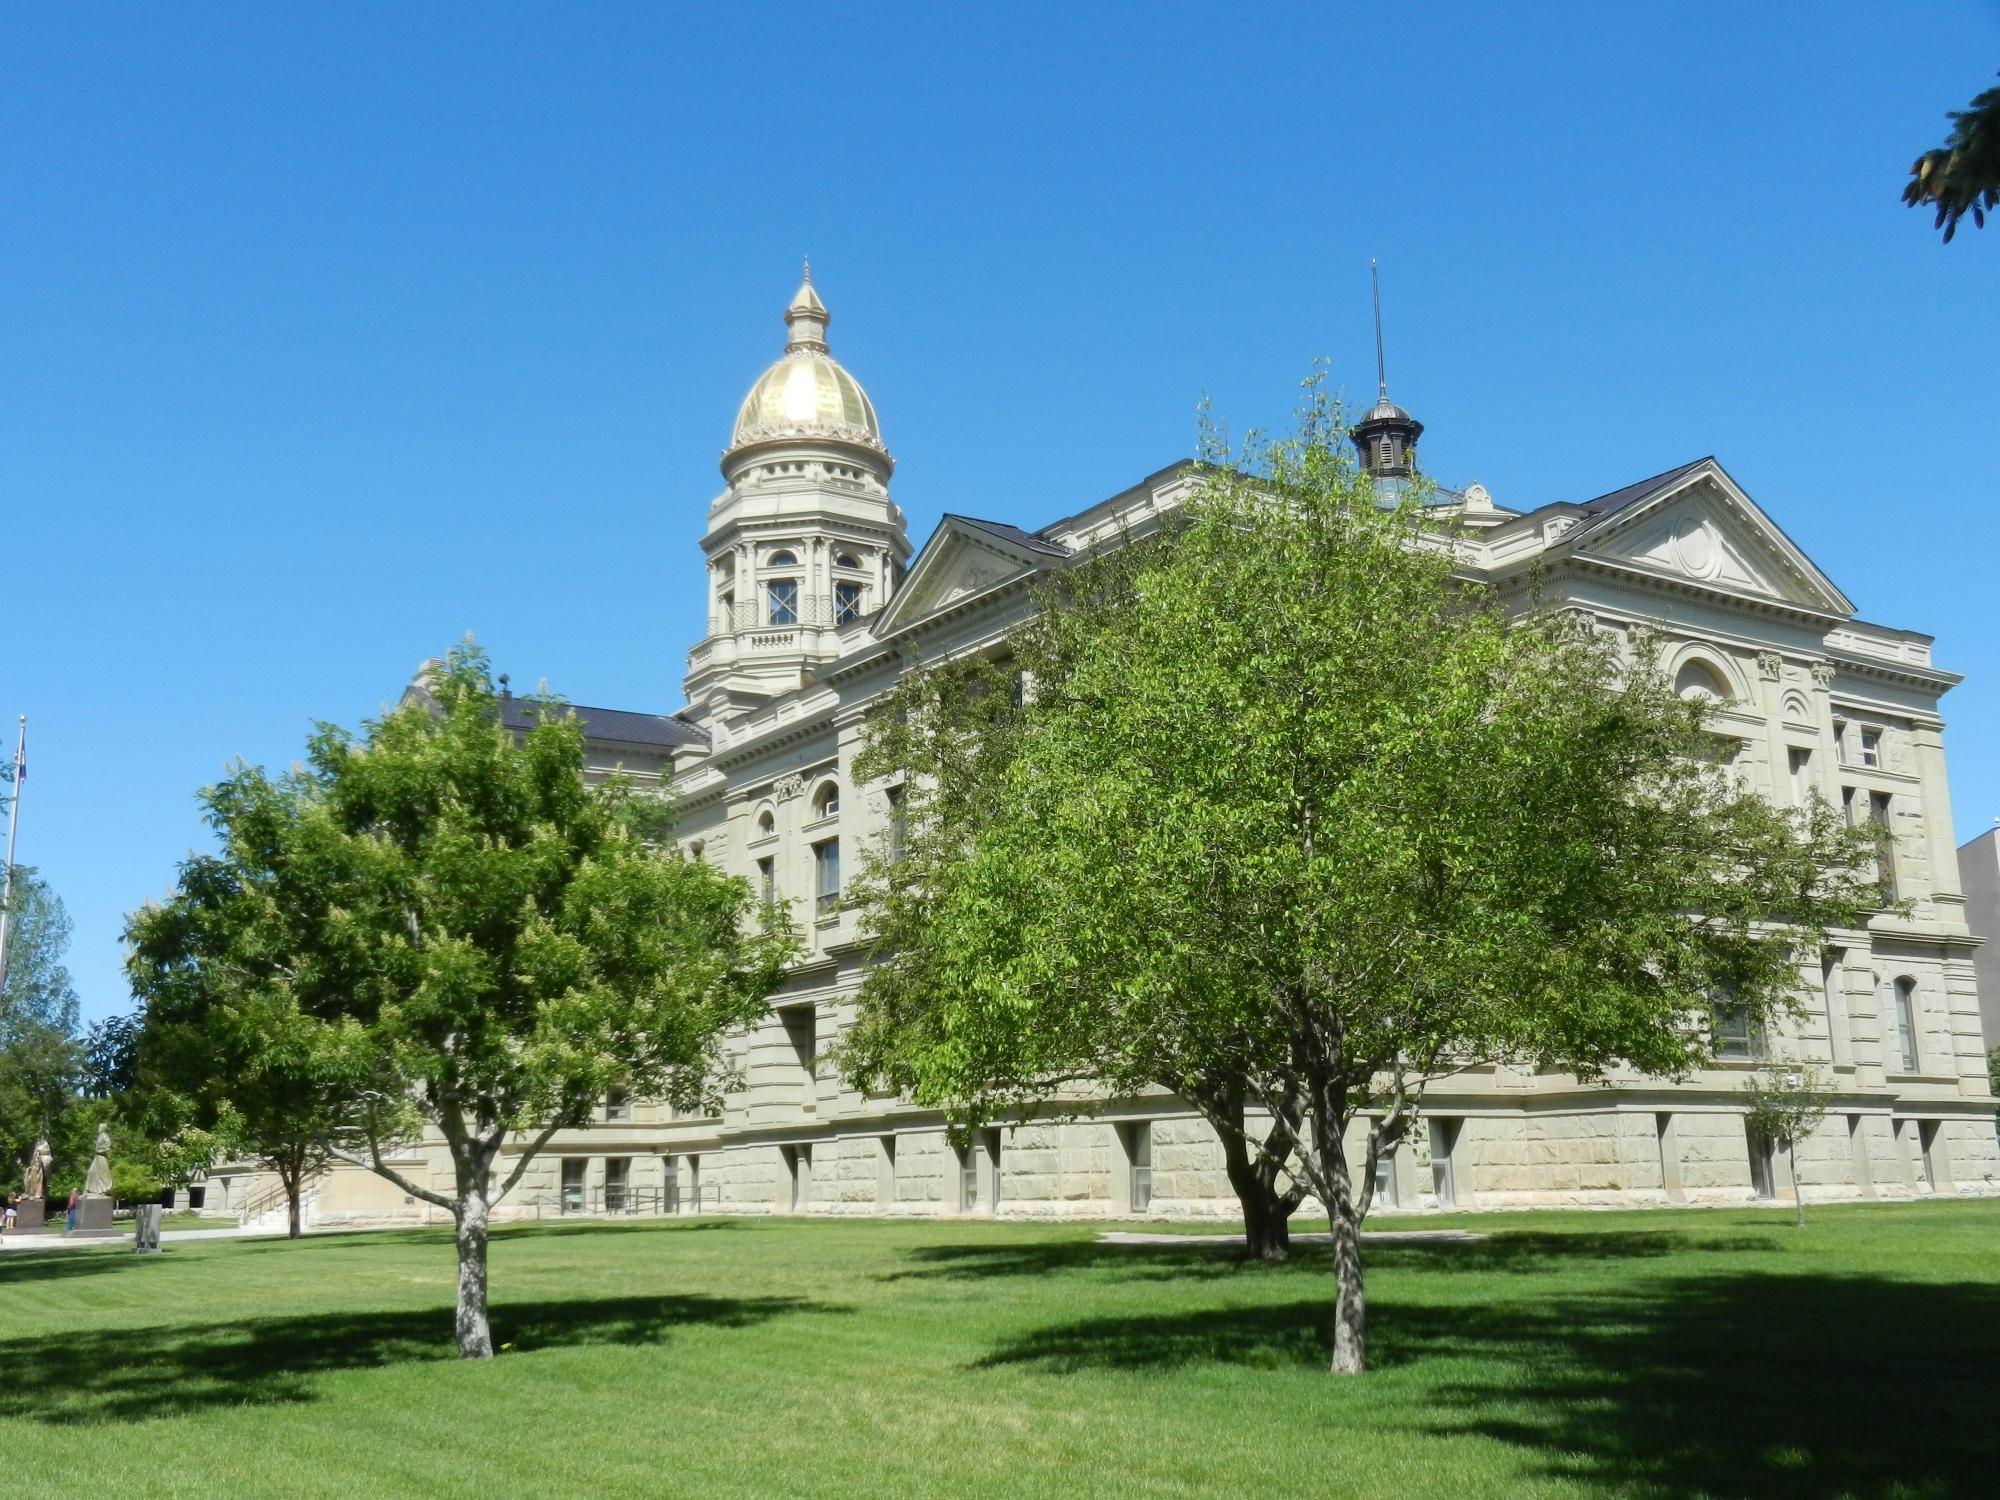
x=1289 y=799
x=446 y=926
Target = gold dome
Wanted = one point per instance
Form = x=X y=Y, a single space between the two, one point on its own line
x=806 y=395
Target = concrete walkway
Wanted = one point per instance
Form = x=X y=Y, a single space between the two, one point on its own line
x=55 y=1239
x=1368 y=1237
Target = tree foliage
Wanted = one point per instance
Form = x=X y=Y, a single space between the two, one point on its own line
x=463 y=935
x=1963 y=175
x=1292 y=802
x=38 y=989
x=1785 y=1106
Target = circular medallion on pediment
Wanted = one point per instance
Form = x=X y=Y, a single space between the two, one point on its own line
x=1698 y=551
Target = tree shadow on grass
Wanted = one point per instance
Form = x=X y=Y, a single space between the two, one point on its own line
x=1692 y=1385
x=21 y=1267
x=1172 y=1260
x=134 y=1374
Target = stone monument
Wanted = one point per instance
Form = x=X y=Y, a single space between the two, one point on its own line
x=30 y=1216
x=93 y=1214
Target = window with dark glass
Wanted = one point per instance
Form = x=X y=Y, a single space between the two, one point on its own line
x=1738 y=1037
x=1885 y=845
x=767 y=880
x=573 y=1168
x=617 y=1183
x=846 y=560
x=616 y=1105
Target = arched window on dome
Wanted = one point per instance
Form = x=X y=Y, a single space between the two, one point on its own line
x=782 y=559
x=846 y=560
x=1698 y=679
x=826 y=801
x=767 y=824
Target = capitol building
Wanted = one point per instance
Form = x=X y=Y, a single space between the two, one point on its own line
x=817 y=600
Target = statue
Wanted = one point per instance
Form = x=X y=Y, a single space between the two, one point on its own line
x=97 y=1182
x=35 y=1180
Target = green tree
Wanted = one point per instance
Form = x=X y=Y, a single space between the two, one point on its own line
x=40 y=1070
x=945 y=737
x=482 y=942
x=1289 y=792
x=1963 y=175
x=226 y=1066
x=38 y=988
x=1785 y=1106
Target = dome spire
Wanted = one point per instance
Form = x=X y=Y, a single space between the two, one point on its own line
x=1386 y=438
x=806 y=316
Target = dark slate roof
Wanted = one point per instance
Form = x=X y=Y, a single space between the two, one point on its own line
x=1014 y=534
x=1592 y=513
x=621 y=725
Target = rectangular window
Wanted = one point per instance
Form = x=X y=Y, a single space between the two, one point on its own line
x=846 y=603
x=1927 y=1152
x=1738 y=1037
x=990 y=1140
x=617 y=1184
x=1444 y=1137
x=616 y=1105
x=799 y=1164
x=1139 y=1156
x=1760 y=1163
x=826 y=876
x=898 y=827
x=885 y=1172
x=767 y=879
x=781 y=595
x=573 y=1168
x=1385 y=1179
x=968 y=1178
x=1904 y=1025
x=1831 y=970
x=802 y=1030
x=1871 y=747
x=1885 y=844
x=1799 y=761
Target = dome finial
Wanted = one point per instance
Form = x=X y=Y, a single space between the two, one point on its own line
x=807 y=317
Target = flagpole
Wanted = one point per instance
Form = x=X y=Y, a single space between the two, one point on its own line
x=13 y=830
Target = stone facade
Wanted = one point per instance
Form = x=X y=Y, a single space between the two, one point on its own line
x=815 y=607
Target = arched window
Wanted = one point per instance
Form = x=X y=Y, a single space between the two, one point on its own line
x=1697 y=679
x=846 y=560
x=826 y=801
x=766 y=824
x=781 y=559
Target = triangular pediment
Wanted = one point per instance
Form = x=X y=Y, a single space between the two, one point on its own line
x=1703 y=529
x=963 y=558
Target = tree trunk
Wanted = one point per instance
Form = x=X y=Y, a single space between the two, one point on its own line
x=475 y=1336
x=1350 y=1300
x=1266 y=1212
x=1798 y=1195
x=292 y=1227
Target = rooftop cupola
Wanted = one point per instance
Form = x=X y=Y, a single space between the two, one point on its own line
x=1385 y=439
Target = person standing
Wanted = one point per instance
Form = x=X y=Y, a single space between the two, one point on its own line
x=13 y=1209
x=69 y=1217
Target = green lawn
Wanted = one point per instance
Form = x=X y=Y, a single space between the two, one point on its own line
x=1711 y=1353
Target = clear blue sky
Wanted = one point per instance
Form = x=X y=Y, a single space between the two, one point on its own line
x=329 y=333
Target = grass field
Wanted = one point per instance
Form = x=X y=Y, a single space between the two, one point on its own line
x=1671 y=1354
